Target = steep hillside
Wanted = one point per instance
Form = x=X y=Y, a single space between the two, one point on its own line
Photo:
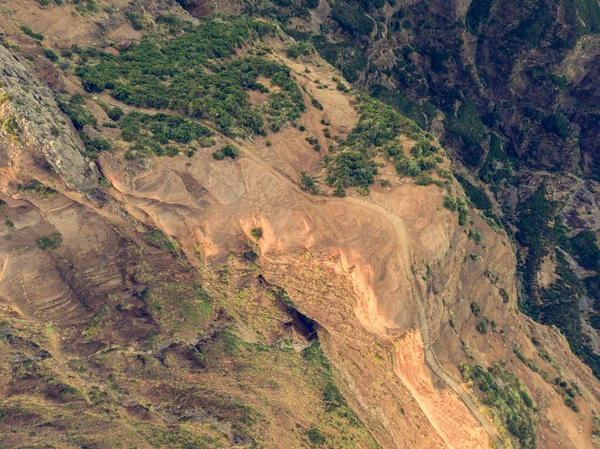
x=210 y=240
x=510 y=88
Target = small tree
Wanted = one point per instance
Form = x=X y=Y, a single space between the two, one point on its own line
x=256 y=232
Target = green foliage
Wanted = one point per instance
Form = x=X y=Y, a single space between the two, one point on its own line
x=160 y=239
x=50 y=54
x=350 y=168
x=311 y=4
x=256 y=232
x=94 y=145
x=349 y=58
x=316 y=437
x=197 y=75
x=152 y=133
x=478 y=197
x=467 y=126
x=557 y=124
x=379 y=124
x=482 y=326
x=308 y=183
x=230 y=151
x=422 y=114
x=136 y=19
x=11 y=126
x=38 y=189
x=475 y=309
x=475 y=235
x=50 y=242
x=29 y=32
x=115 y=114
x=497 y=165
x=75 y=109
x=530 y=363
x=589 y=11
x=585 y=249
x=352 y=20
x=299 y=49
x=450 y=203
x=316 y=104
x=251 y=255
x=507 y=398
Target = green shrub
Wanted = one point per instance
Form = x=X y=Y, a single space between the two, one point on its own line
x=75 y=109
x=51 y=242
x=350 y=169
x=230 y=151
x=50 y=54
x=585 y=249
x=450 y=203
x=482 y=326
x=115 y=114
x=11 y=126
x=308 y=183
x=197 y=75
x=316 y=104
x=256 y=232
x=352 y=19
x=299 y=49
x=29 y=32
x=136 y=19
x=557 y=124
x=507 y=398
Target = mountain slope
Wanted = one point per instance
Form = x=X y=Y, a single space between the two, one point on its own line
x=217 y=279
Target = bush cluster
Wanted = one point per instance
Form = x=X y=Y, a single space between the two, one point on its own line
x=197 y=75
x=507 y=398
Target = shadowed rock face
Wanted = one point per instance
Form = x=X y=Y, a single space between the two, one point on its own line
x=197 y=8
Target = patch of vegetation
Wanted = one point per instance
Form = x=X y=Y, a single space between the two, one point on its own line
x=198 y=75
x=507 y=398
x=352 y=20
x=478 y=197
x=50 y=242
x=422 y=114
x=29 y=32
x=179 y=307
x=530 y=363
x=585 y=249
x=478 y=12
x=557 y=124
x=375 y=132
x=309 y=183
x=350 y=59
x=298 y=49
x=11 y=126
x=256 y=232
x=467 y=126
x=350 y=169
x=74 y=108
x=160 y=239
x=497 y=165
x=152 y=133
x=50 y=54
x=230 y=151
x=38 y=189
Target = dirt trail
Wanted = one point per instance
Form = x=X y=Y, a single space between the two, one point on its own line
x=406 y=257
x=430 y=357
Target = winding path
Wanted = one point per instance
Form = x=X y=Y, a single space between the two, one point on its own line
x=405 y=255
